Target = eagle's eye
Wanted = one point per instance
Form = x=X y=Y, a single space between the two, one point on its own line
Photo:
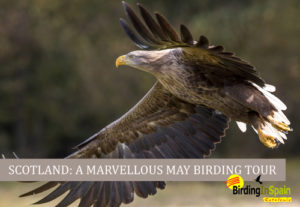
x=131 y=56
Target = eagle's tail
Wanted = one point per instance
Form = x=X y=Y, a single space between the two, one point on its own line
x=273 y=128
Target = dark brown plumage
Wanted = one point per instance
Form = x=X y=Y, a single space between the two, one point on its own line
x=181 y=116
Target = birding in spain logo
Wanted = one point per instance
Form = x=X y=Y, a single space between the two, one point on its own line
x=270 y=193
x=234 y=181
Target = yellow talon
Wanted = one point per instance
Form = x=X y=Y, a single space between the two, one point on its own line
x=266 y=139
x=283 y=127
x=279 y=125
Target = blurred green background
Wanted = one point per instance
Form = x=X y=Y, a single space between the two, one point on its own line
x=59 y=84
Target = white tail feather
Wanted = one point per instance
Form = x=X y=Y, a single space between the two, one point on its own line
x=242 y=126
x=279 y=105
x=283 y=135
x=269 y=88
x=272 y=126
x=254 y=129
x=279 y=115
x=275 y=101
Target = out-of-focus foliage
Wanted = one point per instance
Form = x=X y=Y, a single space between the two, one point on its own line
x=59 y=85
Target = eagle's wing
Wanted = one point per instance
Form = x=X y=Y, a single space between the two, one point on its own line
x=159 y=34
x=159 y=126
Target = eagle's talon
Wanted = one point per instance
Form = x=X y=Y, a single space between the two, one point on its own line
x=266 y=139
x=281 y=126
x=277 y=143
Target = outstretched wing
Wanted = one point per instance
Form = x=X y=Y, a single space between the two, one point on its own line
x=159 y=126
x=159 y=34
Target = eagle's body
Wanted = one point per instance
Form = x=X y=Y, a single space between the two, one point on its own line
x=192 y=84
x=193 y=81
x=199 y=89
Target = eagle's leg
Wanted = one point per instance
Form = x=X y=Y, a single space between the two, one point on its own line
x=267 y=139
x=264 y=130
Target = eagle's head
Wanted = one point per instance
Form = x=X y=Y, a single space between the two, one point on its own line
x=155 y=62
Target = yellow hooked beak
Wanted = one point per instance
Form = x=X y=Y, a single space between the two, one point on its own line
x=121 y=61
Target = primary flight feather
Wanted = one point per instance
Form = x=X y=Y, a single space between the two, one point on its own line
x=199 y=89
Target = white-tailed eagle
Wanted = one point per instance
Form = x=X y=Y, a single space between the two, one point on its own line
x=199 y=89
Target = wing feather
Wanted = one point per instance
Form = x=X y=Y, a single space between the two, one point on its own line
x=151 y=23
x=167 y=28
x=138 y=25
x=177 y=130
x=186 y=35
x=159 y=34
x=203 y=42
x=133 y=36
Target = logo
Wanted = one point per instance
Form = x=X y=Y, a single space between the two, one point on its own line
x=270 y=193
x=258 y=179
x=234 y=181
